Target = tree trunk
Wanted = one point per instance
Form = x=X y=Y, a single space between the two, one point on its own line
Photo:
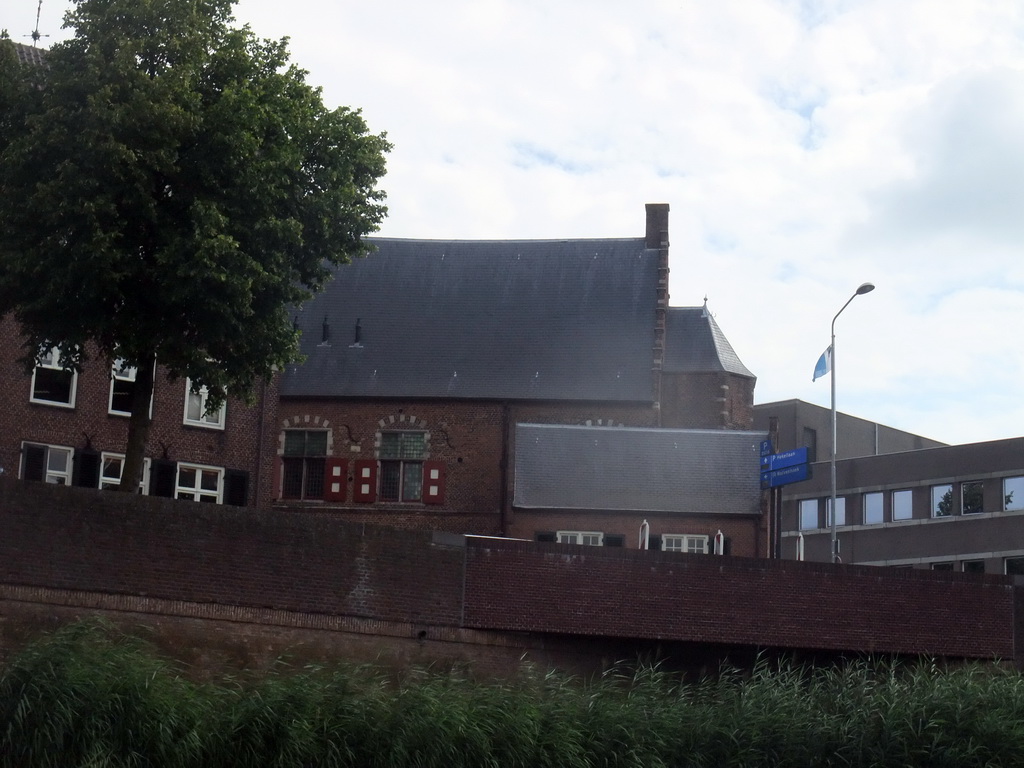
x=138 y=426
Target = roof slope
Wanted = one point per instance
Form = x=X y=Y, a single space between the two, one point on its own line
x=503 y=319
x=693 y=471
x=29 y=54
x=695 y=344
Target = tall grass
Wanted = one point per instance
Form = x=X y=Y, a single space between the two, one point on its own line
x=89 y=696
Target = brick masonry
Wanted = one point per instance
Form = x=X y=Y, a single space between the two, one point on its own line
x=74 y=551
x=244 y=444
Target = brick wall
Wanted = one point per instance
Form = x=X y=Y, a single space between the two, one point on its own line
x=555 y=588
x=118 y=552
x=244 y=443
x=98 y=541
x=699 y=401
x=468 y=437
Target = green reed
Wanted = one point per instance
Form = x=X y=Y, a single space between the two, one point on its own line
x=91 y=696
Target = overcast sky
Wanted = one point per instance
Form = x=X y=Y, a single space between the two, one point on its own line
x=804 y=147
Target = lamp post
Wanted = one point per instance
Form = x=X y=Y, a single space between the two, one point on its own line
x=864 y=288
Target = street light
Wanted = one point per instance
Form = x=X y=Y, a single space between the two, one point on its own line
x=864 y=288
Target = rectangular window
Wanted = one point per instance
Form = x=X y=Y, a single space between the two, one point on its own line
x=196 y=404
x=122 y=388
x=840 y=511
x=811 y=441
x=587 y=538
x=942 y=566
x=46 y=463
x=303 y=463
x=401 y=465
x=942 y=500
x=974 y=566
x=52 y=384
x=902 y=505
x=1014 y=566
x=1013 y=493
x=874 y=511
x=972 y=496
x=675 y=542
x=808 y=514
x=199 y=483
x=111 y=466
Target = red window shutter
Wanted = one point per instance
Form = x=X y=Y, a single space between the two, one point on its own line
x=365 y=489
x=433 y=482
x=275 y=491
x=336 y=479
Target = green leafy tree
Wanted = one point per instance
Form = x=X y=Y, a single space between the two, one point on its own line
x=169 y=186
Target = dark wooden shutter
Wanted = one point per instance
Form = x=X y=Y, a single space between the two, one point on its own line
x=275 y=490
x=365 y=489
x=433 y=482
x=86 y=471
x=614 y=540
x=336 y=480
x=236 y=487
x=654 y=543
x=163 y=477
x=35 y=463
x=545 y=536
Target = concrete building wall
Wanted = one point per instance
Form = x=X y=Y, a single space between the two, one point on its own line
x=805 y=424
x=981 y=521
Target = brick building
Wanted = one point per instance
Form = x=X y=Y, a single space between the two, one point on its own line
x=425 y=359
x=71 y=428
x=421 y=363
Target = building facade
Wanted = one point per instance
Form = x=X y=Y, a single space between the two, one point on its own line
x=70 y=428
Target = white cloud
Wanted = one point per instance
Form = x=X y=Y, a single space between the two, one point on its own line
x=805 y=147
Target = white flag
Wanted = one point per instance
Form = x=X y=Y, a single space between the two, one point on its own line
x=824 y=364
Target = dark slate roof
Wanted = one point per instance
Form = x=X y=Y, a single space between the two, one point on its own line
x=28 y=54
x=695 y=344
x=693 y=471
x=503 y=319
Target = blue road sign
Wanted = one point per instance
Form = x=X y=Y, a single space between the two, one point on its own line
x=784 y=459
x=775 y=477
x=766 y=447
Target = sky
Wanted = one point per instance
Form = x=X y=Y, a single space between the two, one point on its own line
x=804 y=148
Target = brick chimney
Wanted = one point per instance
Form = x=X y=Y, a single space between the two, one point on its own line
x=656 y=238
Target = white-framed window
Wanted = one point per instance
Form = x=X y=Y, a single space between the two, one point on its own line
x=973 y=566
x=47 y=463
x=902 y=505
x=942 y=500
x=52 y=384
x=684 y=542
x=808 y=514
x=111 y=467
x=944 y=566
x=588 y=538
x=196 y=482
x=195 y=408
x=122 y=389
x=1013 y=493
x=401 y=457
x=840 y=511
x=874 y=508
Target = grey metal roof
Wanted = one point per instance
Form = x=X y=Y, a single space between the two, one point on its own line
x=503 y=319
x=693 y=471
x=695 y=344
